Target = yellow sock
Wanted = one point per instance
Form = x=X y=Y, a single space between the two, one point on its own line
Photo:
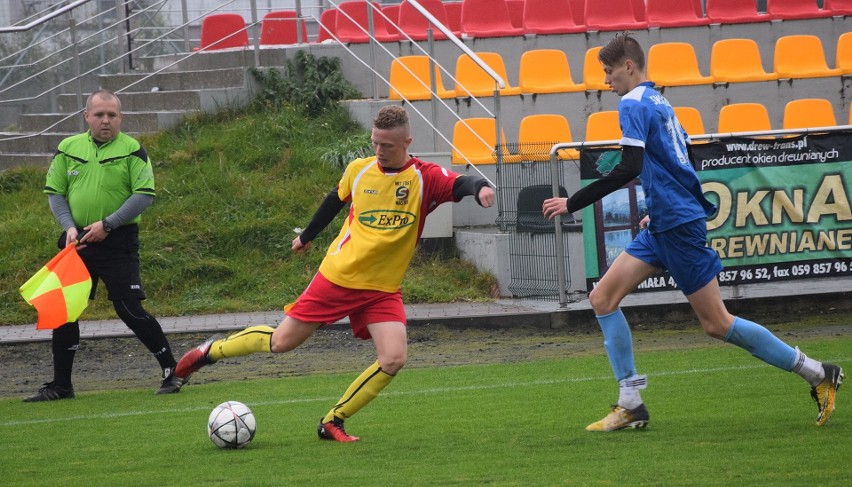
x=366 y=387
x=253 y=339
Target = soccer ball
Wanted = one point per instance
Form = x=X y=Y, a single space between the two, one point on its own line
x=231 y=425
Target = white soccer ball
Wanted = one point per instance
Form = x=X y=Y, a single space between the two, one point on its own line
x=231 y=425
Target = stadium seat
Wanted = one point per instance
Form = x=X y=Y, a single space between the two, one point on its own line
x=603 y=126
x=578 y=8
x=409 y=79
x=734 y=12
x=593 y=73
x=392 y=14
x=279 y=28
x=352 y=17
x=327 y=22
x=516 y=12
x=801 y=56
x=809 y=113
x=675 y=64
x=795 y=10
x=550 y=17
x=698 y=6
x=743 y=117
x=844 y=53
x=639 y=10
x=414 y=24
x=690 y=120
x=453 y=10
x=737 y=61
x=473 y=80
x=476 y=139
x=838 y=7
x=538 y=133
x=222 y=31
x=546 y=71
x=612 y=15
x=674 y=13
x=530 y=218
x=487 y=18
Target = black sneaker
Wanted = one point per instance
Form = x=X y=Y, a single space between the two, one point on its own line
x=51 y=392
x=171 y=383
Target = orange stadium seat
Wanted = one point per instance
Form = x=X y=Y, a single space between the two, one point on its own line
x=843 y=59
x=279 y=28
x=550 y=17
x=690 y=120
x=612 y=15
x=675 y=64
x=801 y=56
x=743 y=117
x=674 y=13
x=736 y=61
x=473 y=80
x=603 y=126
x=795 y=9
x=593 y=73
x=487 y=18
x=546 y=71
x=809 y=113
x=734 y=12
x=222 y=31
x=538 y=133
x=476 y=139
x=409 y=79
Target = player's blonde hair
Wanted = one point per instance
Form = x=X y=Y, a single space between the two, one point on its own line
x=391 y=117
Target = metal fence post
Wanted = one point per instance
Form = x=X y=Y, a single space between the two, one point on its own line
x=185 y=21
x=72 y=27
x=121 y=31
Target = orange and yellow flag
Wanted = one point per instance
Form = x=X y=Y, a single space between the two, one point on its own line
x=59 y=291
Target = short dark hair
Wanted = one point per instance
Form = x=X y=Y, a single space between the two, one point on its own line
x=391 y=117
x=621 y=48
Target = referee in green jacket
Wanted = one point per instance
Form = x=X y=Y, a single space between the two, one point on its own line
x=98 y=185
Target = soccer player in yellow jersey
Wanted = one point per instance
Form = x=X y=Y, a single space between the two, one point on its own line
x=389 y=196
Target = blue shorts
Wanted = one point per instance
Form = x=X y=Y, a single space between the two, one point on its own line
x=682 y=251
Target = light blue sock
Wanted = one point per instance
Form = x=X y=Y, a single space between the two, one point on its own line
x=618 y=342
x=761 y=343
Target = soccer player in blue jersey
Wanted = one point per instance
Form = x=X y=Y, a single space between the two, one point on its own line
x=655 y=148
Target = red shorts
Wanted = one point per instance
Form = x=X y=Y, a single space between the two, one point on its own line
x=325 y=302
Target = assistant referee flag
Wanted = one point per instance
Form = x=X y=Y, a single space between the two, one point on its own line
x=59 y=291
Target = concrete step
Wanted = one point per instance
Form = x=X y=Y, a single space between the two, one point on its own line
x=176 y=80
x=135 y=122
x=184 y=100
x=17 y=160
x=30 y=143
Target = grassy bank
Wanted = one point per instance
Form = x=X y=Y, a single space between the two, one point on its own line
x=231 y=187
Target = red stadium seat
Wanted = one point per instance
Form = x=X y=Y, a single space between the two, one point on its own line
x=352 y=18
x=795 y=9
x=734 y=12
x=453 y=10
x=221 y=31
x=414 y=24
x=838 y=7
x=392 y=14
x=516 y=12
x=639 y=10
x=578 y=8
x=612 y=15
x=550 y=17
x=673 y=13
x=487 y=18
x=327 y=21
x=279 y=28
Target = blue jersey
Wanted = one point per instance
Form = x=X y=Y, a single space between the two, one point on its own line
x=672 y=190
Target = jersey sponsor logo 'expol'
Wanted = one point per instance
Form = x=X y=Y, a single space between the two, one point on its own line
x=387 y=219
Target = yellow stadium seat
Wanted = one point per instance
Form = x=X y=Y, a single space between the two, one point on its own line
x=736 y=61
x=473 y=80
x=593 y=73
x=603 y=126
x=844 y=53
x=801 y=56
x=809 y=113
x=675 y=64
x=546 y=71
x=476 y=139
x=409 y=78
x=743 y=117
x=690 y=120
x=538 y=133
